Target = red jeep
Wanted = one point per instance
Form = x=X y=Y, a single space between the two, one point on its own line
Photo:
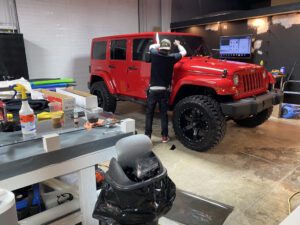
x=205 y=91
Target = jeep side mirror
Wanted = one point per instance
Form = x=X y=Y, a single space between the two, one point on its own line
x=148 y=57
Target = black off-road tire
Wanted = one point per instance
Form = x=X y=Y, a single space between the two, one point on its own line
x=105 y=99
x=256 y=120
x=199 y=123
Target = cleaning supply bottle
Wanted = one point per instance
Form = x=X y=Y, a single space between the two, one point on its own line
x=26 y=113
x=3 y=112
x=261 y=62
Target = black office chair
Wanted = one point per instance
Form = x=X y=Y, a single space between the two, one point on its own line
x=136 y=189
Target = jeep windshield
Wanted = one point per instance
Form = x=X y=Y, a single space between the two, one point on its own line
x=195 y=46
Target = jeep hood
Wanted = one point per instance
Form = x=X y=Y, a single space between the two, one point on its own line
x=211 y=66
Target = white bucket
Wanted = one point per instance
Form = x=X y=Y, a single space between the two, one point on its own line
x=8 y=213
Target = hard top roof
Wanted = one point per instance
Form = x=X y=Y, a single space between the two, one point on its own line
x=143 y=34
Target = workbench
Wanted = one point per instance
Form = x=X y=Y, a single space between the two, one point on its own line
x=23 y=163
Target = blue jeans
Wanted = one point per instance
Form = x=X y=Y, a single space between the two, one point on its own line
x=162 y=98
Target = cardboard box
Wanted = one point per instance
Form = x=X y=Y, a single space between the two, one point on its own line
x=37 y=94
x=82 y=99
x=51 y=142
x=128 y=126
x=67 y=102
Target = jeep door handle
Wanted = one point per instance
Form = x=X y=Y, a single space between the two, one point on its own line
x=112 y=66
x=132 y=68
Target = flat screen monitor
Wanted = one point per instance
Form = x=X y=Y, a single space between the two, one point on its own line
x=235 y=46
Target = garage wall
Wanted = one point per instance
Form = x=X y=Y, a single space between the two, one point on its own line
x=8 y=18
x=150 y=15
x=282 y=2
x=166 y=15
x=58 y=33
x=155 y=15
x=186 y=10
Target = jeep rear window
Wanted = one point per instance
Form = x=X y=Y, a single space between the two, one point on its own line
x=193 y=45
x=140 y=48
x=118 y=50
x=99 y=50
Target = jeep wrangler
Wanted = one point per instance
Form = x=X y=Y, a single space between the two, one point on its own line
x=206 y=92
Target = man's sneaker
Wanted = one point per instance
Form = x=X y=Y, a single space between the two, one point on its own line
x=165 y=139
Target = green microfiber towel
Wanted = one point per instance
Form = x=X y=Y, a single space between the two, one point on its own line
x=66 y=80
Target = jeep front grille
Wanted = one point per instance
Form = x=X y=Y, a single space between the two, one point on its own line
x=252 y=81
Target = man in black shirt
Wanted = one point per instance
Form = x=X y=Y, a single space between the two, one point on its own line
x=162 y=66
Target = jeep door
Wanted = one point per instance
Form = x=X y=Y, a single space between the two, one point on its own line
x=117 y=64
x=138 y=75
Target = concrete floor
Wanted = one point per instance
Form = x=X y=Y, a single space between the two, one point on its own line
x=253 y=170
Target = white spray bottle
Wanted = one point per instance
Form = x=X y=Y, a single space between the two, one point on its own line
x=26 y=113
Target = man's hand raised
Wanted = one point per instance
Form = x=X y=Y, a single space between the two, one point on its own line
x=176 y=42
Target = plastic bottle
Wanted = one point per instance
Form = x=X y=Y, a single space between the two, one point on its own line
x=76 y=119
x=3 y=112
x=261 y=62
x=282 y=70
x=27 y=119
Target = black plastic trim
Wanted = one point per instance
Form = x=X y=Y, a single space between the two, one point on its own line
x=251 y=106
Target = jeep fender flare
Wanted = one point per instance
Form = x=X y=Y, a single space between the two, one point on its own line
x=222 y=86
x=107 y=80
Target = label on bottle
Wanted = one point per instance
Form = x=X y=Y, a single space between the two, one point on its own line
x=27 y=118
x=27 y=123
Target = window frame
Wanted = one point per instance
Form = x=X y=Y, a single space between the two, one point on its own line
x=105 y=52
x=139 y=38
x=111 y=49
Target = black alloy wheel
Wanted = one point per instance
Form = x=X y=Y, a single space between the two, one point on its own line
x=194 y=124
x=198 y=122
x=105 y=99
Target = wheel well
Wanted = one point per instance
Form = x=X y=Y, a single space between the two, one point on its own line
x=95 y=78
x=189 y=90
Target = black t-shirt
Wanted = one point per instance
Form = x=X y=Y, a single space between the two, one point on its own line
x=162 y=67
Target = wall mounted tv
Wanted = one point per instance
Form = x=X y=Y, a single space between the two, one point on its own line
x=235 y=46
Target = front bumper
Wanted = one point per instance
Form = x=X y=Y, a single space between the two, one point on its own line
x=251 y=106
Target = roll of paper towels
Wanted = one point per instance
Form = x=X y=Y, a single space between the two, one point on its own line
x=8 y=213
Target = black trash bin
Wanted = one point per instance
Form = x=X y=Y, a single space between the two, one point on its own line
x=136 y=189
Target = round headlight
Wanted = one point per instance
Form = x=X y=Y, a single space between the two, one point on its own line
x=264 y=74
x=236 y=79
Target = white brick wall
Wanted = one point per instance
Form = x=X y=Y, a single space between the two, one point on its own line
x=58 y=33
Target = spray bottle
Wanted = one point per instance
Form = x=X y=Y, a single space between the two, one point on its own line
x=26 y=113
